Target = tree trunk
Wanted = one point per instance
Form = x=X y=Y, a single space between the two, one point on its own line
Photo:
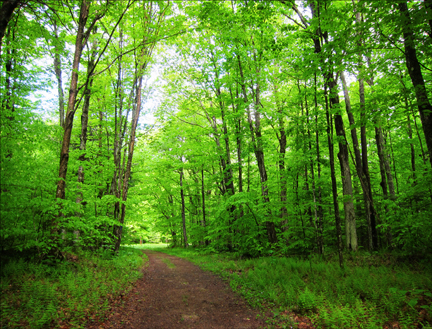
x=204 y=223
x=64 y=154
x=282 y=138
x=413 y=66
x=58 y=73
x=329 y=81
x=384 y=162
x=258 y=148
x=6 y=11
x=127 y=173
x=350 y=220
x=363 y=165
x=410 y=136
x=333 y=180
x=85 y=115
x=320 y=212
x=185 y=243
x=394 y=165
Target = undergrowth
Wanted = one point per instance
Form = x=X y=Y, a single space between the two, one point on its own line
x=68 y=293
x=357 y=296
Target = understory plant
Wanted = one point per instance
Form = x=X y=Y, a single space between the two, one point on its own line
x=72 y=292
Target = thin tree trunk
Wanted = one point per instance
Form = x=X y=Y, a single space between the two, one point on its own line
x=185 y=243
x=127 y=172
x=84 y=119
x=256 y=137
x=204 y=223
x=300 y=212
x=394 y=165
x=380 y=146
x=333 y=180
x=365 y=179
x=364 y=169
x=329 y=81
x=58 y=73
x=320 y=212
x=282 y=138
x=410 y=136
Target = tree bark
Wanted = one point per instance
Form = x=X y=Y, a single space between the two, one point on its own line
x=204 y=223
x=350 y=220
x=386 y=175
x=320 y=212
x=410 y=136
x=413 y=66
x=282 y=138
x=363 y=165
x=334 y=103
x=333 y=180
x=58 y=73
x=185 y=243
x=6 y=11
x=85 y=115
x=64 y=154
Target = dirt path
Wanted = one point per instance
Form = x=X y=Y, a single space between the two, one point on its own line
x=175 y=293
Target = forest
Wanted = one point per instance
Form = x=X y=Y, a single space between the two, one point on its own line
x=266 y=128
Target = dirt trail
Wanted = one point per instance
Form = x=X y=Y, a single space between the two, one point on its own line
x=175 y=293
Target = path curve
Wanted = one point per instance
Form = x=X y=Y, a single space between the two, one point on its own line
x=183 y=296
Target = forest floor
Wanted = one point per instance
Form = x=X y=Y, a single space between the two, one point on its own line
x=174 y=293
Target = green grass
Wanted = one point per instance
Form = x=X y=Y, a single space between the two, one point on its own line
x=150 y=246
x=68 y=293
x=357 y=296
x=168 y=263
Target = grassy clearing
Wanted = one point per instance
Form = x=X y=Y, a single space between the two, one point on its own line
x=71 y=293
x=149 y=246
x=359 y=296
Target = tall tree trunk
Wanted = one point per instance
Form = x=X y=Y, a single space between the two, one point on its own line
x=84 y=117
x=386 y=174
x=334 y=100
x=64 y=154
x=333 y=180
x=204 y=223
x=58 y=73
x=413 y=66
x=363 y=165
x=127 y=173
x=350 y=220
x=282 y=138
x=305 y=145
x=410 y=136
x=394 y=165
x=141 y=64
x=8 y=98
x=383 y=182
x=320 y=212
x=256 y=137
x=183 y=214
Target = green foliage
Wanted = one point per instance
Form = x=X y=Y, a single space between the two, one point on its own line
x=72 y=292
